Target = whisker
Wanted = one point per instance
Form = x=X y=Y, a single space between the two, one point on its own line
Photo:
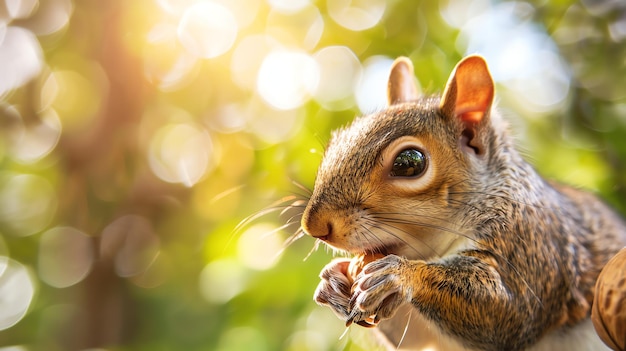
x=295 y=204
x=302 y=187
x=225 y=193
x=276 y=206
x=368 y=233
x=315 y=247
x=378 y=220
x=345 y=332
x=519 y=275
x=282 y=206
x=424 y=225
x=504 y=197
x=379 y=226
x=459 y=202
x=295 y=218
x=294 y=237
x=276 y=230
x=289 y=241
x=406 y=328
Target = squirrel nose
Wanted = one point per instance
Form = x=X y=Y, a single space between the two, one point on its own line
x=317 y=225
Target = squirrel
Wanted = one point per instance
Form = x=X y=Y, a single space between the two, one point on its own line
x=479 y=252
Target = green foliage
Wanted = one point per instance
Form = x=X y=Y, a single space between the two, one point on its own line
x=138 y=139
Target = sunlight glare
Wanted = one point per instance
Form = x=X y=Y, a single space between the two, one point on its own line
x=340 y=71
x=27 y=202
x=513 y=46
x=288 y=6
x=617 y=29
x=356 y=15
x=164 y=63
x=36 y=139
x=174 y=7
x=286 y=79
x=240 y=338
x=307 y=340
x=248 y=56
x=371 y=92
x=4 y=249
x=272 y=125
x=245 y=11
x=218 y=199
x=259 y=246
x=180 y=153
x=51 y=16
x=65 y=256
x=302 y=29
x=229 y=118
x=79 y=95
x=21 y=8
x=17 y=290
x=328 y=330
x=21 y=58
x=131 y=243
x=14 y=348
x=207 y=29
x=458 y=12
x=221 y=280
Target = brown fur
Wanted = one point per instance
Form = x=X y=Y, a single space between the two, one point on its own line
x=486 y=249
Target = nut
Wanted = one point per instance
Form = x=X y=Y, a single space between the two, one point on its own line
x=358 y=262
x=355 y=267
x=608 y=312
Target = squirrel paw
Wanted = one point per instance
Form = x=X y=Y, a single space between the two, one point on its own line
x=334 y=289
x=379 y=290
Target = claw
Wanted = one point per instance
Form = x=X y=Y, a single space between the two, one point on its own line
x=369 y=322
x=366 y=324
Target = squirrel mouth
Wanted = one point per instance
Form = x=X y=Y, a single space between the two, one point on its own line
x=381 y=250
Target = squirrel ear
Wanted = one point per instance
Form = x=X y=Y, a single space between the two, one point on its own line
x=468 y=96
x=401 y=86
x=469 y=92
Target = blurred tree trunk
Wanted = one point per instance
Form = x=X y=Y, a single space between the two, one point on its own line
x=99 y=179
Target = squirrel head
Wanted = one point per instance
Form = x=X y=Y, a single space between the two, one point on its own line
x=388 y=183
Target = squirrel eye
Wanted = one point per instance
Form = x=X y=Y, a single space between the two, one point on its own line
x=409 y=163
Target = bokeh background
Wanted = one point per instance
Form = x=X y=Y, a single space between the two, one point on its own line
x=136 y=135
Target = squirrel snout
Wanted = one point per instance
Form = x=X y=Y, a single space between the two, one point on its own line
x=313 y=224
x=332 y=225
x=318 y=224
